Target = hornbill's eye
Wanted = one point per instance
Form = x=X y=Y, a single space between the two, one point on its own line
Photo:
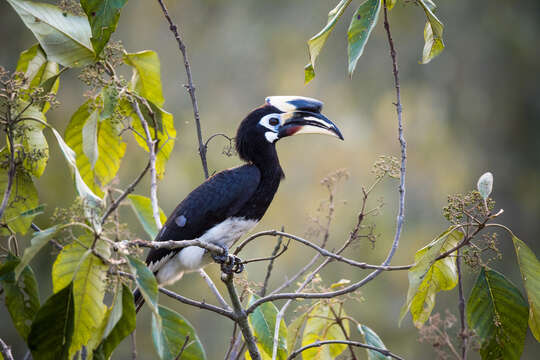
x=273 y=121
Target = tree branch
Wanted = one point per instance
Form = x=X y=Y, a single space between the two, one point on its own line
x=114 y=205
x=199 y=304
x=5 y=350
x=346 y=342
x=401 y=137
x=241 y=318
x=461 y=305
x=214 y=289
x=190 y=88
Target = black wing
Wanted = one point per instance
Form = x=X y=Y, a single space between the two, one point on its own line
x=215 y=200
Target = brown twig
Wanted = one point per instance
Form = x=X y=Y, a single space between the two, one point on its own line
x=345 y=342
x=126 y=192
x=190 y=88
x=199 y=304
x=271 y=265
x=133 y=345
x=339 y=321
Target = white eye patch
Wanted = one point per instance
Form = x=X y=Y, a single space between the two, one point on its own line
x=270 y=121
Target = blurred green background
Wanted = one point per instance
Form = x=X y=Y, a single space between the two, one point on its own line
x=473 y=109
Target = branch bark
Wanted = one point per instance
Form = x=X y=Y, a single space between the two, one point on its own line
x=11 y=171
x=5 y=350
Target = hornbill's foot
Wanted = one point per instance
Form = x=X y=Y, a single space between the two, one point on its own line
x=229 y=263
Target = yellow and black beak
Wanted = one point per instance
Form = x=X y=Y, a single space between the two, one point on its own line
x=306 y=122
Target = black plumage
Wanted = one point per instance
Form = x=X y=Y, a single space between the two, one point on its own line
x=239 y=196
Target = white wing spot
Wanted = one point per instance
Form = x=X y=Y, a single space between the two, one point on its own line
x=180 y=221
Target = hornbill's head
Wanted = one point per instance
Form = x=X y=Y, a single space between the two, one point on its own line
x=279 y=117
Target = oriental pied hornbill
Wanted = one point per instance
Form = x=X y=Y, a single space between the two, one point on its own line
x=231 y=202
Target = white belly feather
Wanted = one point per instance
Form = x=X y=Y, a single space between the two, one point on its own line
x=193 y=258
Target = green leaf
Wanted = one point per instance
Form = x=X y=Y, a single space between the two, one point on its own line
x=29 y=136
x=103 y=17
x=427 y=277
x=109 y=94
x=88 y=196
x=143 y=209
x=22 y=298
x=433 y=33
x=498 y=313
x=390 y=4
x=263 y=323
x=146 y=79
x=173 y=334
x=530 y=270
x=77 y=264
x=23 y=197
x=146 y=282
x=120 y=324
x=294 y=331
x=64 y=37
x=309 y=73
x=362 y=23
x=374 y=340
x=316 y=43
x=322 y=326
x=165 y=136
x=39 y=240
x=52 y=329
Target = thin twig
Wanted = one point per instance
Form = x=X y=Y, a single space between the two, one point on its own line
x=231 y=343
x=182 y=349
x=402 y=143
x=461 y=306
x=126 y=192
x=214 y=289
x=199 y=304
x=339 y=321
x=271 y=265
x=346 y=342
x=151 y=143
x=241 y=318
x=5 y=350
x=190 y=88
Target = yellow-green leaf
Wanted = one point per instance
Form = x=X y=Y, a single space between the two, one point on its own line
x=146 y=79
x=498 y=313
x=263 y=323
x=39 y=240
x=309 y=73
x=427 y=276
x=23 y=197
x=34 y=147
x=294 y=331
x=530 y=272
x=362 y=23
x=143 y=209
x=433 y=34
x=322 y=326
x=166 y=136
x=316 y=43
x=64 y=37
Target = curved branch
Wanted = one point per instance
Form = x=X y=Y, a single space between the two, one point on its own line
x=319 y=249
x=346 y=342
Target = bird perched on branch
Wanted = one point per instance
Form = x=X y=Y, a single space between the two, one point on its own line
x=232 y=202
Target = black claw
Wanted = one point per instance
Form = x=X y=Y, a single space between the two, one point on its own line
x=229 y=263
